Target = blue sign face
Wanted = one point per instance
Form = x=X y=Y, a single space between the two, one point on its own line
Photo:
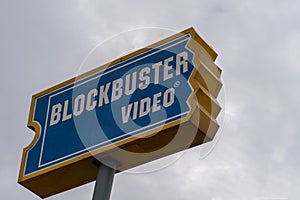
x=127 y=99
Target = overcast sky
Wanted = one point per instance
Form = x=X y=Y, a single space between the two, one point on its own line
x=43 y=43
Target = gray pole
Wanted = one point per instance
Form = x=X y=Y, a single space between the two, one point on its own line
x=104 y=182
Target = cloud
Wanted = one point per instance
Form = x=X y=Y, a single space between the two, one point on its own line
x=43 y=43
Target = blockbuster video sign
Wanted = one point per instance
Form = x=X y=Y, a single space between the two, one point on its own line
x=151 y=103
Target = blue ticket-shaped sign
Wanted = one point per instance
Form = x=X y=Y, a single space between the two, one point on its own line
x=124 y=100
x=146 y=92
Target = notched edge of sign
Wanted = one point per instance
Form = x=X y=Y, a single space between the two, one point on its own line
x=35 y=127
x=79 y=171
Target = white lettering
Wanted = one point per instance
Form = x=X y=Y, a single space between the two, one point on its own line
x=169 y=97
x=78 y=105
x=133 y=83
x=156 y=71
x=145 y=106
x=116 y=89
x=127 y=85
x=156 y=101
x=103 y=96
x=181 y=61
x=90 y=105
x=135 y=110
x=66 y=116
x=126 y=114
x=167 y=68
x=55 y=114
x=146 y=79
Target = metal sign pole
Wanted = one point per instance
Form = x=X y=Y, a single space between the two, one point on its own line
x=104 y=182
